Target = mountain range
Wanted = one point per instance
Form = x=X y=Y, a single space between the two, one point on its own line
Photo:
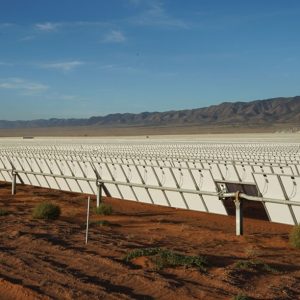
x=255 y=113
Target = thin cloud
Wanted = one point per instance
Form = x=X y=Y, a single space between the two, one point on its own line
x=53 y=26
x=23 y=85
x=63 y=66
x=27 y=38
x=85 y=23
x=114 y=36
x=47 y=26
x=156 y=15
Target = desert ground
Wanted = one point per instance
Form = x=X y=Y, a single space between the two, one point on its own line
x=49 y=259
x=264 y=137
x=130 y=131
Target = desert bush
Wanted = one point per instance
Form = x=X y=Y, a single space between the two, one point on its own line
x=252 y=252
x=295 y=237
x=254 y=264
x=241 y=297
x=47 y=211
x=3 y=212
x=171 y=259
x=166 y=258
x=103 y=209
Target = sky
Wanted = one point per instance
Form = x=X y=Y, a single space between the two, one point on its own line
x=77 y=59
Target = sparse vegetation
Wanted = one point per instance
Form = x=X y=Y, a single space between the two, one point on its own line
x=241 y=297
x=295 y=237
x=103 y=209
x=3 y=212
x=47 y=211
x=249 y=265
x=252 y=252
x=166 y=258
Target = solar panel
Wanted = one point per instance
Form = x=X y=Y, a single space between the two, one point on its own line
x=184 y=175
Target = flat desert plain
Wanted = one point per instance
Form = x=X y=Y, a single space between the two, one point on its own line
x=238 y=137
x=49 y=259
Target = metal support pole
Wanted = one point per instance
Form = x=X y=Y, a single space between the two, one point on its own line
x=87 y=220
x=99 y=193
x=13 y=182
x=238 y=214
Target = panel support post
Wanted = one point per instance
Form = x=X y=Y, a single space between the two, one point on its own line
x=238 y=214
x=13 y=182
x=99 y=193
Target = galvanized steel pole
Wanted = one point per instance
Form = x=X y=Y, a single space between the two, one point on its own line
x=87 y=220
x=13 y=182
x=238 y=214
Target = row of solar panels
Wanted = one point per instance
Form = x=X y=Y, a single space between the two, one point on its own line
x=152 y=161
x=288 y=155
x=173 y=146
x=173 y=186
x=158 y=147
x=135 y=157
x=256 y=159
x=237 y=172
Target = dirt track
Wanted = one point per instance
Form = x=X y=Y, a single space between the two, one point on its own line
x=49 y=260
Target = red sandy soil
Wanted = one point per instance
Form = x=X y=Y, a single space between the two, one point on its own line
x=49 y=259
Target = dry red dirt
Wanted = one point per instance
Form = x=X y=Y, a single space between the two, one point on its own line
x=49 y=259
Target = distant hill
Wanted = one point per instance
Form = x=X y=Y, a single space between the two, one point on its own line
x=258 y=113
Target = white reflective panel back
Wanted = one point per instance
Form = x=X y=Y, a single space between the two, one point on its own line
x=52 y=183
x=133 y=175
x=120 y=175
x=63 y=185
x=279 y=213
x=204 y=180
x=194 y=202
x=158 y=197
x=142 y=195
x=215 y=171
x=283 y=170
x=184 y=179
x=176 y=199
x=214 y=205
x=113 y=190
x=245 y=173
x=127 y=192
x=74 y=186
x=42 y=181
x=166 y=177
x=269 y=186
x=228 y=172
x=262 y=169
x=149 y=175
x=104 y=171
x=292 y=188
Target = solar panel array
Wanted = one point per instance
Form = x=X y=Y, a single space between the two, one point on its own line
x=189 y=175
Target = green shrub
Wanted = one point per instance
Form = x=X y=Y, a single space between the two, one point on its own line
x=3 y=212
x=103 y=209
x=295 y=237
x=46 y=210
x=254 y=264
x=166 y=258
x=241 y=297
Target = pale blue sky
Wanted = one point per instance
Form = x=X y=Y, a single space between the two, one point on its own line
x=71 y=58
